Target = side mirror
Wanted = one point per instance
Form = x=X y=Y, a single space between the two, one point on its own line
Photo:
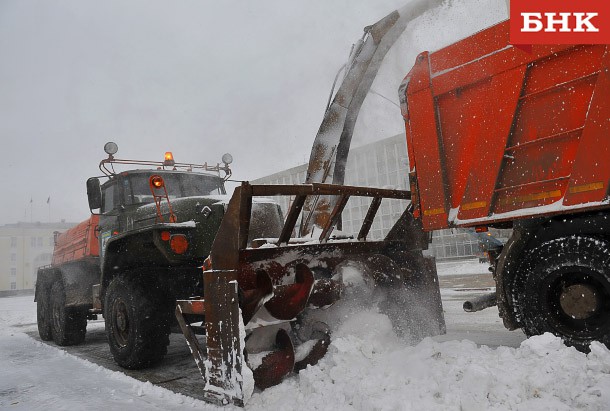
x=94 y=193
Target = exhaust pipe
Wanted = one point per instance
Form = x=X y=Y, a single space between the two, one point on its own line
x=480 y=303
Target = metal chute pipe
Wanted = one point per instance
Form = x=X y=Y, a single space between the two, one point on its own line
x=480 y=303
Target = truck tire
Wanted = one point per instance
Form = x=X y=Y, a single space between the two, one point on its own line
x=565 y=290
x=43 y=312
x=137 y=322
x=69 y=324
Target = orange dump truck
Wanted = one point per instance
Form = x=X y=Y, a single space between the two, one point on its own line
x=76 y=260
x=506 y=138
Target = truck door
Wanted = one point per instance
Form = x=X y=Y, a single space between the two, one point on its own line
x=109 y=213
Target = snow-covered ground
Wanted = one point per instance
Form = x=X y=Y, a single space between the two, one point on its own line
x=367 y=368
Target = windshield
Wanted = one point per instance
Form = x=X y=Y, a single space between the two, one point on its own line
x=136 y=189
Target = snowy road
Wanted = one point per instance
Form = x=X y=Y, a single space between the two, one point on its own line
x=463 y=280
x=367 y=367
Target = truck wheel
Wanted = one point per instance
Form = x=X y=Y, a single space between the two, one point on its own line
x=137 y=323
x=43 y=312
x=565 y=290
x=69 y=324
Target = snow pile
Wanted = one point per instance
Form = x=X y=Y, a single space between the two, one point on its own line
x=368 y=368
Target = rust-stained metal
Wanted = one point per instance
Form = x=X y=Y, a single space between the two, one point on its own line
x=223 y=340
x=222 y=362
x=253 y=299
x=291 y=218
x=191 y=306
x=290 y=300
x=191 y=340
x=368 y=219
x=279 y=268
x=317 y=352
x=334 y=217
x=326 y=189
x=277 y=364
x=325 y=292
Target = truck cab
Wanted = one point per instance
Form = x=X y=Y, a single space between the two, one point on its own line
x=151 y=232
x=128 y=203
x=161 y=219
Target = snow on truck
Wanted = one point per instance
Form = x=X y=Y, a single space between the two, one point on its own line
x=131 y=260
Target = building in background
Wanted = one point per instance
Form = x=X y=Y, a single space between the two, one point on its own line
x=382 y=164
x=23 y=248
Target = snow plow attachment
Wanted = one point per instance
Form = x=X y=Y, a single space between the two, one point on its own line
x=259 y=296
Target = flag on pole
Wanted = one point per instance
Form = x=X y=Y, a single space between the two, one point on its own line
x=49 y=200
x=31 y=200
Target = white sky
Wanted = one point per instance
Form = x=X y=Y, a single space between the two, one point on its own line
x=199 y=78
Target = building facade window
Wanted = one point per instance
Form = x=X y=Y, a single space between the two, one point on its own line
x=39 y=242
x=32 y=241
x=13 y=272
x=13 y=257
x=13 y=285
x=13 y=242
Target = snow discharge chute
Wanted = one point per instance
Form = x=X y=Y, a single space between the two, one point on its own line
x=329 y=152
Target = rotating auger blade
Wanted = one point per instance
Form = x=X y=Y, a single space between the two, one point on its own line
x=276 y=365
x=289 y=300
x=314 y=353
x=252 y=300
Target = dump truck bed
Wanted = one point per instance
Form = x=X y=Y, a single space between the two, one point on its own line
x=77 y=243
x=496 y=133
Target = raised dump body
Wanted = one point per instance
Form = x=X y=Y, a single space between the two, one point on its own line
x=496 y=133
x=77 y=243
x=504 y=137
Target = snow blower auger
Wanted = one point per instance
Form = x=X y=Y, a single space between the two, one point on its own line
x=260 y=296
